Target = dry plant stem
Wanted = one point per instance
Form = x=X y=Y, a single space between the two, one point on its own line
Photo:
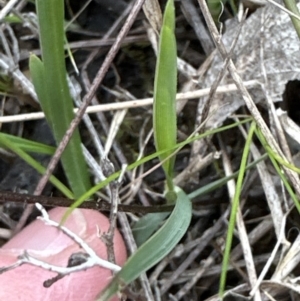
x=114 y=202
x=255 y=235
x=77 y=14
x=153 y=14
x=27 y=211
x=97 y=81
x=271 y=259
x=278 y=124
x=196 y=22
x=4 y=42
x=131 y=103
x=19 y=77
x=112 y=29
x=208 y=262
x=101 y=118
x=6 y=196
x=293 y=177
x=196 y=165
x=288 y=11
x=171 y=155
x=132 y=247
x=274 y=120
x=109 y=236
x=114 y=128
x=215 y=270
x=240 y=224
x=5 y=219
x=77 y=239
x=190 y=85
x=93 y=164
x=135 y=187
x=20 y=5
x=75 y=92
x=290 y=127
x=194 y=250
x=7 y=8
x=288 y=263
x=87 y=44
x=5 y=233
x=92 y=259
x=220 y=76
x=14 y=43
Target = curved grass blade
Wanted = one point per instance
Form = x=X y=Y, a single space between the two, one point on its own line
x=156 y=248
x=29 y=145
x=36 y=165
x=115 y=175
x=150 y=222
x=291 y=5
x=212 y=186
x=164 y=105
x=276 y=161
x=147 y=225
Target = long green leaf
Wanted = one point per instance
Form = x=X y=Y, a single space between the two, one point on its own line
x=276 y=161
x=4 y=140
x=29 y=145
x=164 y=105
x=156 y=248
x=115 y=175
x=291 y=5
x=147 y=225
x=234 y=209
x=50 y=81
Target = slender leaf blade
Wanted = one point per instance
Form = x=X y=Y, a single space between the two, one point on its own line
x=4 y=140
x=164 y=106
x=29 y=145
x=156 y=248
x=55 y=96
x=147 y=225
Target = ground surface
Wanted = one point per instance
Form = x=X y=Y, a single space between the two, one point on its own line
x=267 y=51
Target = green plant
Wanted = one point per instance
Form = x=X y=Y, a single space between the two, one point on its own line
x=22 y=146
x=292 y=6
x=234 y=209
x=165 y=129
x=50 y=81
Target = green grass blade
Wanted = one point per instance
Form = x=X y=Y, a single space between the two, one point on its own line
x=36 y=165
x=28 y=145
x=212 y=186
x=234 y=209
x=275 y=159
x=150 y=222
x=291 y=5
x=164 y=105
x=156 y=248
x=147 y=225
x=88 y=194
x=50 y=81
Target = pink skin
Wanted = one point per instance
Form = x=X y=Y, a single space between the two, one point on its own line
x=25 y=283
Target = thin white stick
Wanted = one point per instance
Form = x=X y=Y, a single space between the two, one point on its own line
x=284 y=9
x=96 y=259
x=7 y=8
x=131 y=103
